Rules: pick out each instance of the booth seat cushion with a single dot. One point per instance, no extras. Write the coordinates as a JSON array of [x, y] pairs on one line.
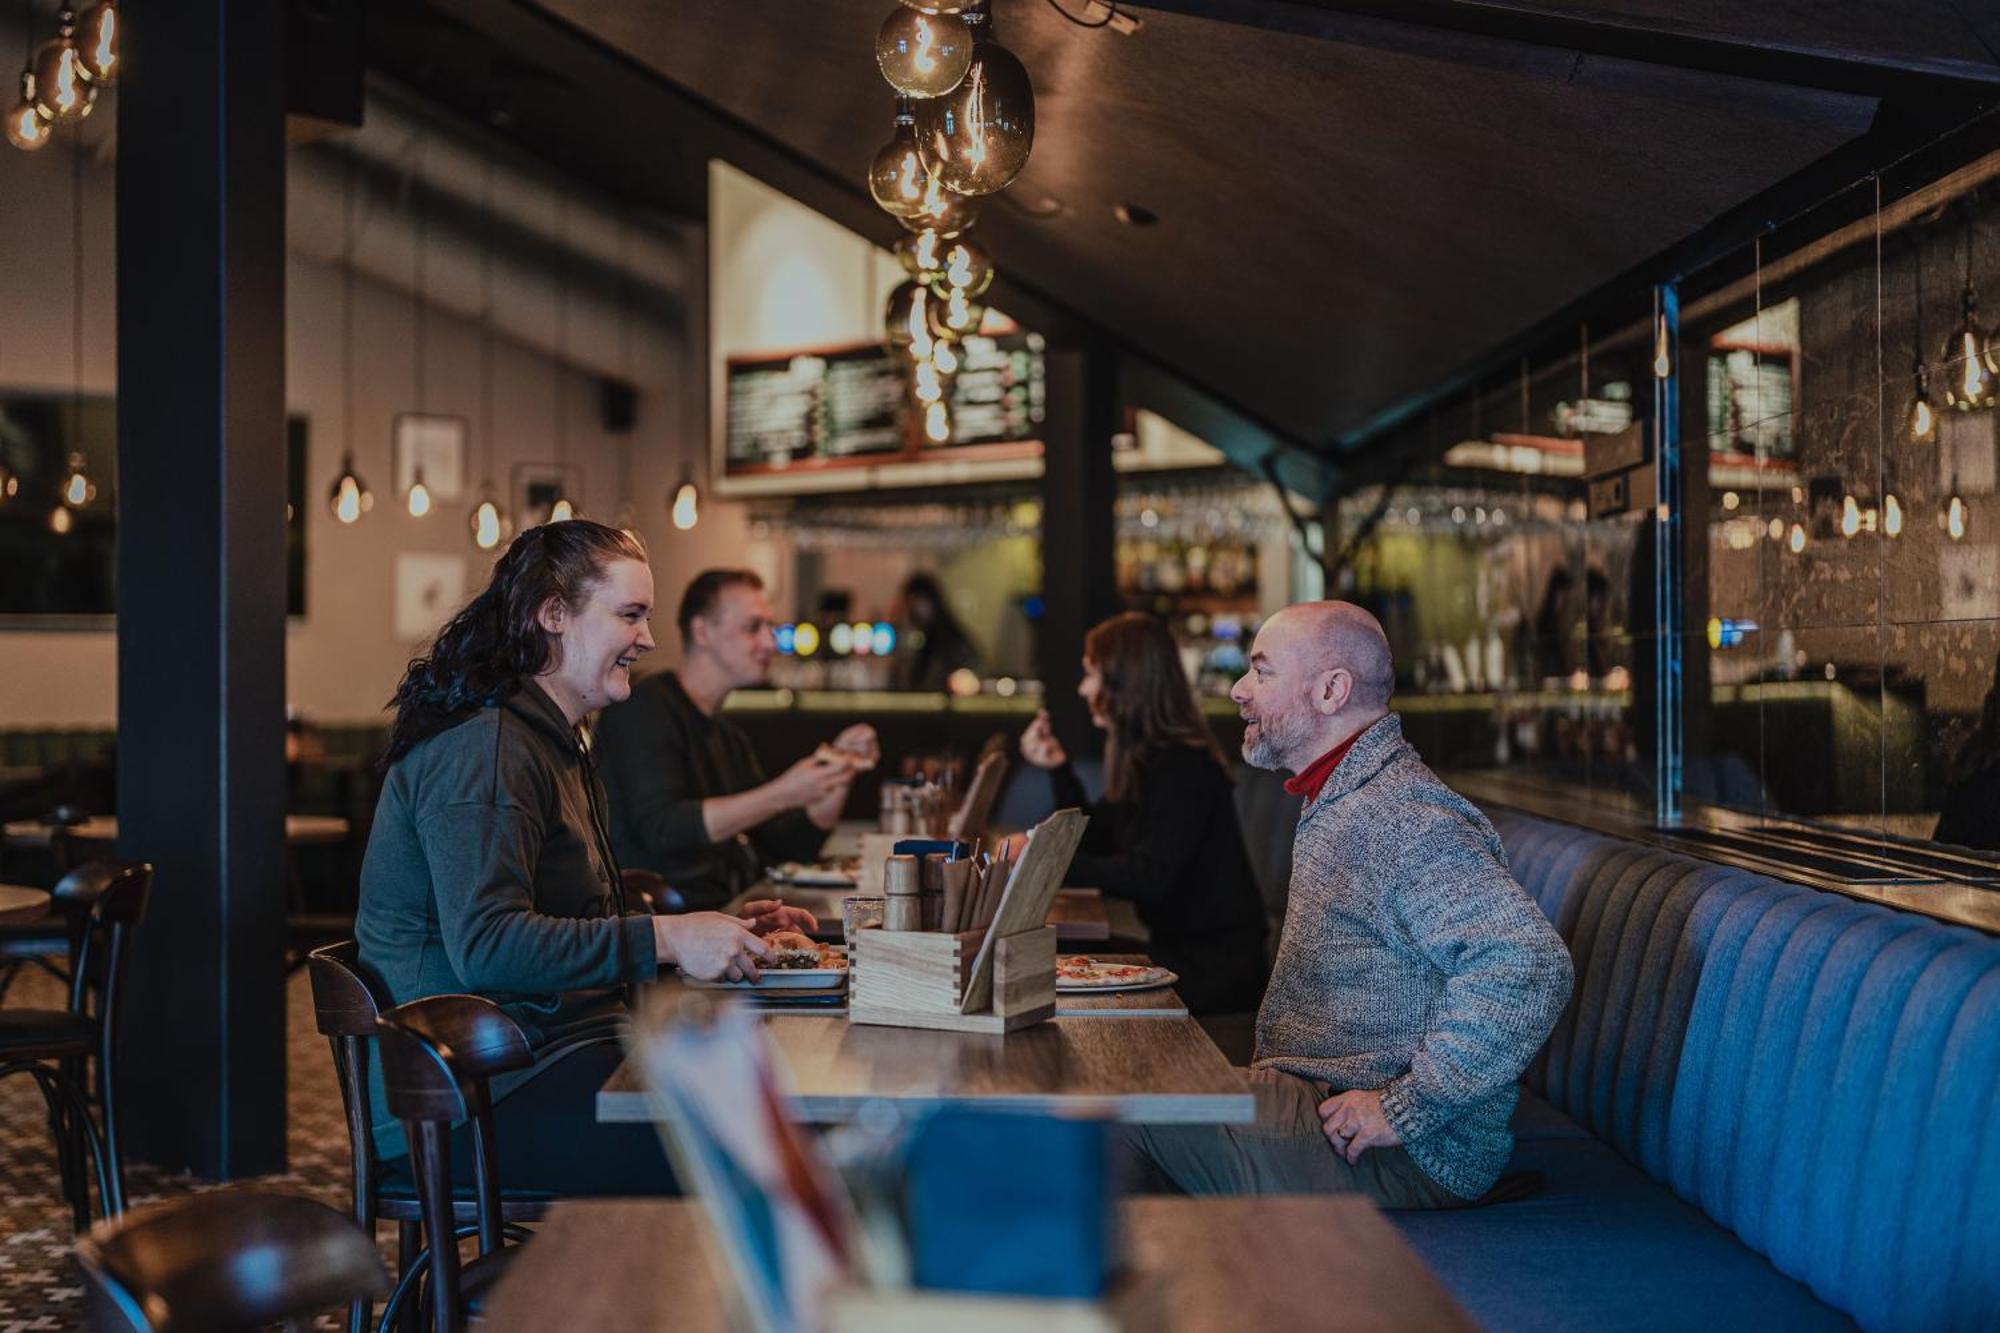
[[1603, 1249]]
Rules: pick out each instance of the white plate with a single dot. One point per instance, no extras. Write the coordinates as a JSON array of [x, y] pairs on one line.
[[811, 877], [795, 978], [1166, 977]]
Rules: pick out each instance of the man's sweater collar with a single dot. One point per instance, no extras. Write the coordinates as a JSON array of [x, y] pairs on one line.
[[1371, 750]]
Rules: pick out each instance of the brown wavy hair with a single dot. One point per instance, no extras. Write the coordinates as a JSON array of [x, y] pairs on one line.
[[1148, 702], [485, 652]]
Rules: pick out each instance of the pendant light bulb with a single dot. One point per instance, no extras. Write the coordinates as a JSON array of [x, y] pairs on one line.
[[945, 357], [562, 511], [945, 212], [923, 55], [1798, 539], [1850, 516], [1954, 514], [922, 255], [489, 521], [967, 268], [897, 177], [1892, 515], [420, 496], [63, 90], [1923, 417], [97, 42], [687, 505], [349, 497], [928, 383], [907, 320], [944, 6], [954, 314], [1663, 361], [1970, 384], [9, 483], [937, 423], [977, 136], [59, 520], [27, 129]]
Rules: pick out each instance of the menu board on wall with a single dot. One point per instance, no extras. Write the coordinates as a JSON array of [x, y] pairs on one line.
[[849, 408]]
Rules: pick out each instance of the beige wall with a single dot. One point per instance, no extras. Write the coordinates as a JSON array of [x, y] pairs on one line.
[[343, 656]]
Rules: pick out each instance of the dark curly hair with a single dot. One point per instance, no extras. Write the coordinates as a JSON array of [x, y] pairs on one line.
[[484, 653]]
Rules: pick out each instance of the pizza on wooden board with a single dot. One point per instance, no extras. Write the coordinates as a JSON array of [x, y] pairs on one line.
[[1081, 972]]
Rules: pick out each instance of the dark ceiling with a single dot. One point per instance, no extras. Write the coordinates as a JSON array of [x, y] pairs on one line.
[[1351, 207]]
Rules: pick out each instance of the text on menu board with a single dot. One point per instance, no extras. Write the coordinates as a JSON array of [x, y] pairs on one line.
[[851, 405]]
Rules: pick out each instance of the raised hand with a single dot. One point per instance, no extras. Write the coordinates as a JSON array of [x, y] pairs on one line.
[[1039, 745]]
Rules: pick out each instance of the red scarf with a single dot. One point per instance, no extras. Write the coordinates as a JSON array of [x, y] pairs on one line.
[[1309, 783]]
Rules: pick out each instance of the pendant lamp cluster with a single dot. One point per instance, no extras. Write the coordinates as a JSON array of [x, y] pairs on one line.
[[60, 79], [1971, 375], [964, 126]]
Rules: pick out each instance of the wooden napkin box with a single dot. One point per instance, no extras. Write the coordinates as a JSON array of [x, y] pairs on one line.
[[918, 979]]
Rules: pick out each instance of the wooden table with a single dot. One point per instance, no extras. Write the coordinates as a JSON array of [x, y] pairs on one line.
[[619, 1266], [1155, 1071], [20, 904], [300, 831], [1079, 915]]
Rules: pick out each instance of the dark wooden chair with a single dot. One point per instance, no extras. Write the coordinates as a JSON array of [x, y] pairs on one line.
[[56, 1046], [346, 1007], [439, 1056], [225, 1262]]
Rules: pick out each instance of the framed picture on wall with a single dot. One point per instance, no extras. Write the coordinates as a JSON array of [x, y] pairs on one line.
[[433, 446], [538, 488]]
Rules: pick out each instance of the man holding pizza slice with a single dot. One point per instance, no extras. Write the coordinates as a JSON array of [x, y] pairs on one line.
[[1415, 979]]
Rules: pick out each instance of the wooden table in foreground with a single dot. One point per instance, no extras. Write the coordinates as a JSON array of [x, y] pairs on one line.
[[1143, 1070], [615, 1266], [20, 904]]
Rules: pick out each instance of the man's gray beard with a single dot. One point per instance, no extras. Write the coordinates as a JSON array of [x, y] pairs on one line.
[[1269, 750]]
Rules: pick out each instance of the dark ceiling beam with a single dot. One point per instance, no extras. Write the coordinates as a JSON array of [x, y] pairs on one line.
[[1410, 26]]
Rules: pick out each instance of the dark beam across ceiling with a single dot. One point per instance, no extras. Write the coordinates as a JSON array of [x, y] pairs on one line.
[[1418, 27]]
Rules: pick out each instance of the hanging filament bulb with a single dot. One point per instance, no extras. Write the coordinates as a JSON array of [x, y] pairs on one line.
[[63, 90], [944, 6], [1954, 514], [489, 521], [420, 495], [923, 55], [967, 268], [78, 490], [562, 511], [1798, 539], [937, 423], [1892, 515], [897, 178], [1923, 417], [955, 314], [1970, 383], [97, 42], [9, 483], [945, 357], [687, 505], [978, 134], [943, 212], [59, 520], [922, 255], [1663, 361], [907, 319], [349, 497], [927, 382], [27, 128], [1850, 516]]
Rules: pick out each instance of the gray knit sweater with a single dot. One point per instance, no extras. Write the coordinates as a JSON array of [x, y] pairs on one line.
[[1412, 962]]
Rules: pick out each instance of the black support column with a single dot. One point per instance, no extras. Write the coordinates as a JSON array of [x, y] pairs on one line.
[[201, 578], [1079, 492]]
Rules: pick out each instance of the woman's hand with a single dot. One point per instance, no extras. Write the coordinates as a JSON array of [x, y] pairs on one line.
[[768, 914], [1039, 745], [709, 946]]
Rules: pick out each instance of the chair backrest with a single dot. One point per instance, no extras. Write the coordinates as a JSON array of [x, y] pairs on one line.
[[345, 1010], [105, 900], [226, 1261]]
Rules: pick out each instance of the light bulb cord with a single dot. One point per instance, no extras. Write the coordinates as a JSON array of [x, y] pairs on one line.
[[1110, 13]]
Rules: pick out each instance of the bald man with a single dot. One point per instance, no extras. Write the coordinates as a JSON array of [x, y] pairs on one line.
[[1415, 979]]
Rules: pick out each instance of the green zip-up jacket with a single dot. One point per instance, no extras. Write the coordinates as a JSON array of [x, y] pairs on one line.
[[489, 873]]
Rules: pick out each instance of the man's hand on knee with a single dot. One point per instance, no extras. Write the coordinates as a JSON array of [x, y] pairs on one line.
[[1353, 1122]]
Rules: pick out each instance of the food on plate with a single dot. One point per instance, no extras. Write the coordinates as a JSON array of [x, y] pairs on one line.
[[794, 952], [1080, 970], [833, 754]]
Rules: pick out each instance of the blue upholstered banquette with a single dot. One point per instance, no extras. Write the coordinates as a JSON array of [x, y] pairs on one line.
[[1766, 1107]]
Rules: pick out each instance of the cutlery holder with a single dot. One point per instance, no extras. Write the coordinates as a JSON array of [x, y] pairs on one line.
[[918, 979]]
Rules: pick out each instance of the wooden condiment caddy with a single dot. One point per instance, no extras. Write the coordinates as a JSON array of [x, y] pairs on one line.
[[995, 979]]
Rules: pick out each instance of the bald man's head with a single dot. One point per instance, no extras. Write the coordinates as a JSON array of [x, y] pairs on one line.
[[1319, 673]]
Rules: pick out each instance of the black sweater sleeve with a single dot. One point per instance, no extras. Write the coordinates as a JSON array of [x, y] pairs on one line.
[[1159, 832]]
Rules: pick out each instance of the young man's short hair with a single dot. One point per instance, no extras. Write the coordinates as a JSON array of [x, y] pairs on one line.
[[706, 590]]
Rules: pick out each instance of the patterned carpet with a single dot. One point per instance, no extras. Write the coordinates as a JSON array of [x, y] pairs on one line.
[[40, 1287]]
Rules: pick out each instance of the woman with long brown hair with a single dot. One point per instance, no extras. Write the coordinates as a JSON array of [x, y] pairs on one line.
[[490, 869], [1165, 834]]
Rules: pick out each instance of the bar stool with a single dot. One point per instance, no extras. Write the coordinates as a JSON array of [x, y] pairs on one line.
[[55, 1046], [438, 1057], [345, 1010], [224, 1262]]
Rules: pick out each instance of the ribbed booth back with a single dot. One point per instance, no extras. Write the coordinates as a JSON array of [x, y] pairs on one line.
[[1817, 1074]]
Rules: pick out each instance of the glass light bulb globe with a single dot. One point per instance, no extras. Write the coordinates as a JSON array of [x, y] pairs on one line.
[[562, 511], [1923, 418], [1850, 516], [922, 255], [27, 128], [977, 137], [928, 384], [945, 212], [944, 356], [1954, 518], [97, 42], [1968, 381], [937, 423], [906, 320], [59, 520], [63, 90], [346, 499], [687, 506], [954, 314], [943, 6], [9, 483], [419, 499], [897, 178], [967, 268], [489, 525], [923, 55], [1892, 515]]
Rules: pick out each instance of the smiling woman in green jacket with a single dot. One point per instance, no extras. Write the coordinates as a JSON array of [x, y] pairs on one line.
[[489, 870]]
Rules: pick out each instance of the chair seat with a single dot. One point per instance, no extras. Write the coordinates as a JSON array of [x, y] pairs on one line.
[[396, 1200], [45, 1034], [478, 1279]]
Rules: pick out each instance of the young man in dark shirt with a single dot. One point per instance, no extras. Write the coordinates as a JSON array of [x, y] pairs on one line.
[[689, 800]]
